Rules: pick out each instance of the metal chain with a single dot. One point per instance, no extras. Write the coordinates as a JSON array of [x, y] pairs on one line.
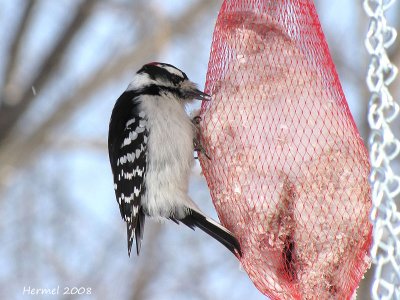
[[384, 148]]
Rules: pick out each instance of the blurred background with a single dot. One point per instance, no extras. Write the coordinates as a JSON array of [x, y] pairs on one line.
[[62, 66]]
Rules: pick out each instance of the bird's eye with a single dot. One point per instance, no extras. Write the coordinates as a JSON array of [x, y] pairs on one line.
[[175, 79]]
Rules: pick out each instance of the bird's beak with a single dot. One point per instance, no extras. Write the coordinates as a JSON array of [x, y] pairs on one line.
[[199, 95]]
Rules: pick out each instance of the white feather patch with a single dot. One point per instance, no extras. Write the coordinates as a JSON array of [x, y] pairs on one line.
[[173, 70], [170, 153], [130, 122]]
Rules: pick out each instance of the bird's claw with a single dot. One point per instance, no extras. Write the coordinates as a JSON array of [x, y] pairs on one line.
[[196, 120], [198, 147]]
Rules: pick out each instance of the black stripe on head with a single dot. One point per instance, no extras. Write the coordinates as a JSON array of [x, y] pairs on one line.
[[163, 72], [156, 90]]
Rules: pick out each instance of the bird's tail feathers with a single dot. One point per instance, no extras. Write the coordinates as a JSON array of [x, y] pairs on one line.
[[135, 229], [195, 219]]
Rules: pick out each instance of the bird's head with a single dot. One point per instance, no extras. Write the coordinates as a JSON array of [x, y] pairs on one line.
[[158, 78]]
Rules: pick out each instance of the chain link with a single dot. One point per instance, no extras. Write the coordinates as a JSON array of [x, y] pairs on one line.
[[384, 148]]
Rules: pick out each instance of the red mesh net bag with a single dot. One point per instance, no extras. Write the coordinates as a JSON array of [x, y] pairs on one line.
[[288, 172]]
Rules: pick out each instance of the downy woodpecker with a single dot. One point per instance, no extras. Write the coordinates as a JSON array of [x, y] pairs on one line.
[[150, 145]]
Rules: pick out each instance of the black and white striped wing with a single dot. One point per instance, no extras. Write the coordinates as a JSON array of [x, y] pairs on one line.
[[127, 142]]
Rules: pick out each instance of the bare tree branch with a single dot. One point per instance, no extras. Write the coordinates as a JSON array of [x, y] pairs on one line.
[[9, 114], [70, 144], [11, 62]]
